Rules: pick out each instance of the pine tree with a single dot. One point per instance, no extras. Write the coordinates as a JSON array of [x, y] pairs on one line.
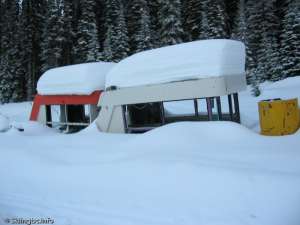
[[239, 24], [153, 11], [116, 45], [291, 40], [252, 38], [217, 19], [52, 37], [268, 53], [232, 8], [87, 45], [32, 24], [100, 16], [193, 21], [139, 26], [68, 32], [11, 80], [1, 24], [170, 19]]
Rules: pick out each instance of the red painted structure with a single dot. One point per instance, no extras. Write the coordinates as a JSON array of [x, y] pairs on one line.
[[62, 100]]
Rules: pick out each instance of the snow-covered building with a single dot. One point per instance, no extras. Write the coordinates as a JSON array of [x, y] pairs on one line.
[[67, 96], [140, 88]]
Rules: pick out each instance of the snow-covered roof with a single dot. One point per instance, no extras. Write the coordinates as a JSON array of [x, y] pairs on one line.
[[75, 79], [193, 60]]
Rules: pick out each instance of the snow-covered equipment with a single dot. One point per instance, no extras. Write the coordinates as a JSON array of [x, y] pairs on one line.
[[139, 87], [67, 96], [279, 117]]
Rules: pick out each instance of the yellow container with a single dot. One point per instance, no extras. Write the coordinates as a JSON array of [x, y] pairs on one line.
[[279, 117]]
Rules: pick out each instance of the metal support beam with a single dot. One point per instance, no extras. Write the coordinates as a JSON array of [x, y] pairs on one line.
[[219, 107], [162, 113], [196, 107], [48, 115], [209, 109], [125, 122], [230, 107], [236, 107]]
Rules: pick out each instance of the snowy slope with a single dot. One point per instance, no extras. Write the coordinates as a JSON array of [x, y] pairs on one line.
[[210, 173]]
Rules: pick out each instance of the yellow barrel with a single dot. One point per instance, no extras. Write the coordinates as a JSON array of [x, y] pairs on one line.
[[279, 117]]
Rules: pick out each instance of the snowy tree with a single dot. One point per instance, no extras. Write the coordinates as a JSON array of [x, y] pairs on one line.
[[232, 8], [68, 32], [291, 40], [116, 45], [11, 80], [252, 38], [1, 23], [193, 21], [52, 44], [239, 26], [139, 26], [268, 53], [153, 11], [87, 46], [217, 19], [170, 19], [100, 16], [32, 24], [49, 33]]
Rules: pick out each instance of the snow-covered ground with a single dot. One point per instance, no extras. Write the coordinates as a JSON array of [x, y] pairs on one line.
[[210, 173]]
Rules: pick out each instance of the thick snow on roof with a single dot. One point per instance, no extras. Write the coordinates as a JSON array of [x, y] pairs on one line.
[[193, 60], [75, 79]]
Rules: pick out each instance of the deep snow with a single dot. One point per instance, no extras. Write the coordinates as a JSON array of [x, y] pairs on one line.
[[186, 61], [210, 173], [75, 79]]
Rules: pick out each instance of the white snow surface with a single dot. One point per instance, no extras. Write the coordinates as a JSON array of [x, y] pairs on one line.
[[4, 123], [75, 79], [189, 173], [187, 61]]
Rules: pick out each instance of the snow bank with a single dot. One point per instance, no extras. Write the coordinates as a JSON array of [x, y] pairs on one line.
[[74, 79], [194, 60], [16, 112], [210, 173], [4, 123]]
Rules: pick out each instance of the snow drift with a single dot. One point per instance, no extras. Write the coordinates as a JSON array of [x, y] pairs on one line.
[[75, 79], [4, 123], [194, 60], [189, 173]]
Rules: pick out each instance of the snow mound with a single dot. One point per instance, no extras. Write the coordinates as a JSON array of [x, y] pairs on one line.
[[193, 60], [4, 123], [31, 128], [75, 79], [191, 134]]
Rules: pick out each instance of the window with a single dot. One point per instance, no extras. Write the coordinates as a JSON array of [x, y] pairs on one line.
[[70, 118], [139, 118]]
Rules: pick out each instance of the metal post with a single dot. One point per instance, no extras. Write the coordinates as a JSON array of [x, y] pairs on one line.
[[209, 109], [219, 107], [48, 115], [90, 113], [162, 113], [230, 107], [125, 122], [196, 107], [236, 107], [66, 116]]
